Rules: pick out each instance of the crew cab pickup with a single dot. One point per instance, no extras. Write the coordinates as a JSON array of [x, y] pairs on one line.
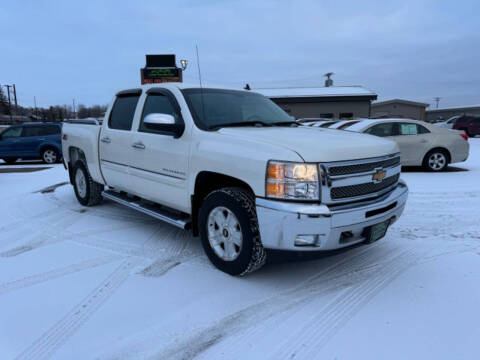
[[237, 170]]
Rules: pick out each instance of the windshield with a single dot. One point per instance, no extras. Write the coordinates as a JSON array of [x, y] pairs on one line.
[[233, 108]]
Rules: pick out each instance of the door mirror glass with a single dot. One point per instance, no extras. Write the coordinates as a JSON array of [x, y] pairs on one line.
[[158, 119]]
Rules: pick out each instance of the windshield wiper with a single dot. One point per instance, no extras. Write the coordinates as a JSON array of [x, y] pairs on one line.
[[284, 123], [238, 124]]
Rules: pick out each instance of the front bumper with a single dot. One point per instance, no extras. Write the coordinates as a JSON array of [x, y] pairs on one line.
[[334, 227]]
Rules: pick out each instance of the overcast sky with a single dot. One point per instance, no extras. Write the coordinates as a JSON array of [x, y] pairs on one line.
[[87, 50]]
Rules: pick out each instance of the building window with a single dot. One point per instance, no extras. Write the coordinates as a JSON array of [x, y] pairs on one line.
[[327, 115], [346, 116]]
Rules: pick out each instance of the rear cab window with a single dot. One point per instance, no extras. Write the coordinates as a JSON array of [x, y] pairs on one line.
[[123, 110]]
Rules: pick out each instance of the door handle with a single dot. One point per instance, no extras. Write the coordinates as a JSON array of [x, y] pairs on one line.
[[138, 145], [423, 141], [106, 140]]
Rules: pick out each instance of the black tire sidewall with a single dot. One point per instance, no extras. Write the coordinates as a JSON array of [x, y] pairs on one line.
[[79, 166], [430, 153], [240, 264]]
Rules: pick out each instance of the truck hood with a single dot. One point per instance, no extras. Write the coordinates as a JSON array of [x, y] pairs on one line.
[[317, 144]]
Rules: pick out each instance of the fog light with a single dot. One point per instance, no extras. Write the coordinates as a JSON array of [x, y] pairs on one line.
[[306, 240]]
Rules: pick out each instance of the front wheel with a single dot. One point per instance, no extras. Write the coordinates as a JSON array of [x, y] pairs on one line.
[[435, 160], [87, 191], [229, 231]]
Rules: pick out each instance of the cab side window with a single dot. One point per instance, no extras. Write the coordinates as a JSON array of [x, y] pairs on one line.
[[13, 132], [121, 116], [160, 104], [385, 129]]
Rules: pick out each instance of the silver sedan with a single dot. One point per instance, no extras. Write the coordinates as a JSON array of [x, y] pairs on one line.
[[421, 143]]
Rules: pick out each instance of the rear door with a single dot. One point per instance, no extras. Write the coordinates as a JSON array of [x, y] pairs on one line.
[[414, 141], [159, 162], [116, 139]]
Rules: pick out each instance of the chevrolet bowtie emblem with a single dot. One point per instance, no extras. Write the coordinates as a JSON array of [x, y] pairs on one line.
[[379, 176]]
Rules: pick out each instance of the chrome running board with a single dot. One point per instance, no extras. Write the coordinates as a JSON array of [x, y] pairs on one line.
[[155, 210]]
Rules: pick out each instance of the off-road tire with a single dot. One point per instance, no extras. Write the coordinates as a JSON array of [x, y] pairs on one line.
[[10, 161], [93, 193], [426, 165], [241, 202]]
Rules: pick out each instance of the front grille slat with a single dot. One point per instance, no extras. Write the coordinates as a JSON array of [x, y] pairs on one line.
[[362, 167], [352, 191]]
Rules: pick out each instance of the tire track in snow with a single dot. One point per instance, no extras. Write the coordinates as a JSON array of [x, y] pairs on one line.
[[249, 317], [342, 274], [55, 273], [46, 345], [306, 342]]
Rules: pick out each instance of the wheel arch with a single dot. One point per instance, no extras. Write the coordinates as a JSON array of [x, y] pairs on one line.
[[205, 183], [447, 152]]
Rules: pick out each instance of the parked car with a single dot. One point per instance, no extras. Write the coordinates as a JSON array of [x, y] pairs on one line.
[[342, 124], [31, 141], [469, 124], [234, 168], [420, 143], [448, 124]]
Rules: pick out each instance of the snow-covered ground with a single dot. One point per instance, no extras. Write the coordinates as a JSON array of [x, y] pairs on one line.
[[109, 283]]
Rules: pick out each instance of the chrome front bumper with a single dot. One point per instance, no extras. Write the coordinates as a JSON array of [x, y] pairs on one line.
[[334, 226]]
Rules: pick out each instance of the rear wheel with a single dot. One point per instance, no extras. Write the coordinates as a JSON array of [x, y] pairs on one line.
[[50, 156], [87, 191], [229, 231], [10, 161], [435, 160]]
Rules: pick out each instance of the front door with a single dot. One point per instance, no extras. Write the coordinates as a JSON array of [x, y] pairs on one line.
[[32, 138], [159, 162], [116, 139], [10, 142]]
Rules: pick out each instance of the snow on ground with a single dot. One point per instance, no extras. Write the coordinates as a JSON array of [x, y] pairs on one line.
[[109, 283]]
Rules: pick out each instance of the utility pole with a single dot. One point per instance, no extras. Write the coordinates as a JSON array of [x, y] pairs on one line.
[[35, 102], [9, 102], [74, 111], [15, 96], [437, 100]]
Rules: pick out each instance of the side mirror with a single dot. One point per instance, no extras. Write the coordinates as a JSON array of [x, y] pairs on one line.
[[163, 124], [159, 119]]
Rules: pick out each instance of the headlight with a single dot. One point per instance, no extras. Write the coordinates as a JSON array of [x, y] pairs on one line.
[[293, 181]]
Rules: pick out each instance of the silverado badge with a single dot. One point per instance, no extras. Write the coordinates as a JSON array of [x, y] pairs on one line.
[[378, 176]]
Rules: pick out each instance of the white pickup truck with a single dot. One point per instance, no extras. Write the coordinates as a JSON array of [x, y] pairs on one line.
[[238, 171]]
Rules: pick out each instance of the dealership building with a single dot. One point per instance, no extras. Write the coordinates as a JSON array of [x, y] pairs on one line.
[[398, 108], [333, 102], [446, 113]]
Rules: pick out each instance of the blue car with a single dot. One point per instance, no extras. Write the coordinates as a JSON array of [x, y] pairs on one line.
[[31, 141]]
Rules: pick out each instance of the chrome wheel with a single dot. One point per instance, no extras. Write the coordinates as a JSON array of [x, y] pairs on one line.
[[50, 156], [437, 161], [81, 183], [224, 233]]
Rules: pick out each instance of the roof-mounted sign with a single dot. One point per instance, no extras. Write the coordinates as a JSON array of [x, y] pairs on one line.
[[159, 69]]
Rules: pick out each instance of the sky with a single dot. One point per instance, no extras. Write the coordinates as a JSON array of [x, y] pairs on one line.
[[87, 50]]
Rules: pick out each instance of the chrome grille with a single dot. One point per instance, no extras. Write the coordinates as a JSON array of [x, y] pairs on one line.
[[356, 180], [350, 191], [359, 168]]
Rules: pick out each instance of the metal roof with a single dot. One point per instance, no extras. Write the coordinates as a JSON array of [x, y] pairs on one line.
[[312, 92]]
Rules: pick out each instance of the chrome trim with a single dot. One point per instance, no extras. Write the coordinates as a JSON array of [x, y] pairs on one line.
[[332, 181], [281, 222]]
